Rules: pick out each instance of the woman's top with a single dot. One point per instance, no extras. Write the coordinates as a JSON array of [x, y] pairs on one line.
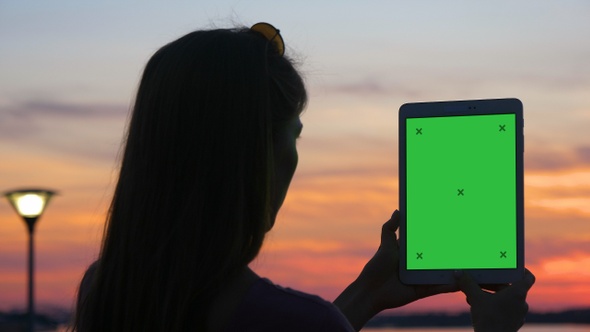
[[269, 307]]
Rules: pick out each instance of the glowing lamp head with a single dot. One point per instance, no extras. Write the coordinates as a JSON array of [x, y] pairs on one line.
[[29, 204]]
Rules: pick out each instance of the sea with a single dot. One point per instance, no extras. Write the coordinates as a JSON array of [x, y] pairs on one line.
[[525, 328]]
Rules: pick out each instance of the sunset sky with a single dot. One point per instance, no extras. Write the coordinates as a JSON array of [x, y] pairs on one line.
[[69, 69]]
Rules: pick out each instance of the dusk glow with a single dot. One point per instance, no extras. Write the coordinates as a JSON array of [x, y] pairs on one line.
[[69, 71]]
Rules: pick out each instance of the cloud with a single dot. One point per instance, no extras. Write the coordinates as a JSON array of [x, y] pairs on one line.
[[370, 87], [21, 114], [33, 108], [572, 265], [554, 158], [563, 190], [583, 153], [90, 130], [32, 117], [352, 155], [539, 250]]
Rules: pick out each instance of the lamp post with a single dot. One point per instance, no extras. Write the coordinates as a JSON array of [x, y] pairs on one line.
[[29, 204]]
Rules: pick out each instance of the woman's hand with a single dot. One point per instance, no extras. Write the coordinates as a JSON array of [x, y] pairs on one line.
[[382, 271], [503, 310], [378, 287]]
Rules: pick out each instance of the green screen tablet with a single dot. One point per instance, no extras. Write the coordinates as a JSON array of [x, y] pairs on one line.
[[461, 191]]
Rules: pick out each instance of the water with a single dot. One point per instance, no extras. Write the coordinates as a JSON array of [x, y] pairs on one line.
[[526, 328]]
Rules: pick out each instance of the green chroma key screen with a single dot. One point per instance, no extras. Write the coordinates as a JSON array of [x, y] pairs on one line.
[[461, 192]]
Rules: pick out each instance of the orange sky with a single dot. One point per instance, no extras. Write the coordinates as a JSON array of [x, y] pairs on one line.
[[328, 228], [64, 98]]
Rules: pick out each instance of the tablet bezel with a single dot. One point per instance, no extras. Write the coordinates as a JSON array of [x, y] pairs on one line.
[[461, 108]]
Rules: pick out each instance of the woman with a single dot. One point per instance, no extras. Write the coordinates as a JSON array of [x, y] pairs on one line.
[[209, 156]]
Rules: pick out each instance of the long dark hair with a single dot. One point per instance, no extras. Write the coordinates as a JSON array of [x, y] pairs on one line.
[[194, 195]]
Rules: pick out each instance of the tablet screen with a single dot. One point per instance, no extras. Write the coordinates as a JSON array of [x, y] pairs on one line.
[[461, 192]]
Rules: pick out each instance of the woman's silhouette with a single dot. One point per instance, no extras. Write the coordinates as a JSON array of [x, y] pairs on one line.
[[209, 156]]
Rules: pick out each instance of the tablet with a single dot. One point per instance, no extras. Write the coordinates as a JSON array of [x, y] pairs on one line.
[[461, 191]]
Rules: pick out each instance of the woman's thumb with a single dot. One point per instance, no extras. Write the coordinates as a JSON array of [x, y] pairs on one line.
[[467, 285], [388, 236]]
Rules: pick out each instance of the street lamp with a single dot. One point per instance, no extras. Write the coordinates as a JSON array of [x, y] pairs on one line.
[[29, 204]]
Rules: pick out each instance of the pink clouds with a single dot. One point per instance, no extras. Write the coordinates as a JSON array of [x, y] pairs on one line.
[[328, 229]]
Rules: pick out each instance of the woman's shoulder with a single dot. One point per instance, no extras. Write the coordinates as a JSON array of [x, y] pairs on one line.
[[270, 307], [272, 293], [84, 287]]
